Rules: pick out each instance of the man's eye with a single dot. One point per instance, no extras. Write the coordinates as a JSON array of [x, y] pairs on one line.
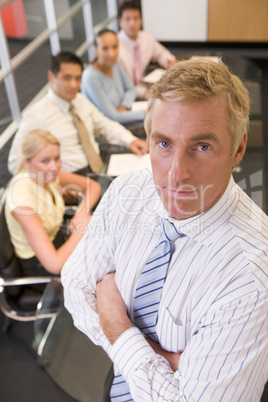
[[164, 144], [204, 147]]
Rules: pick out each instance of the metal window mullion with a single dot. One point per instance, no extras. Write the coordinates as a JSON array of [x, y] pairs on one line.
[[9, 79], [112, 14], [42, 37], [52, 25], [39, 40], [88, 23], [70, 13]]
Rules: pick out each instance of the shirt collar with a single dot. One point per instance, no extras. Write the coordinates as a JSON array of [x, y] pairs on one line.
[[202, 227], [62, 103], [128, 39]]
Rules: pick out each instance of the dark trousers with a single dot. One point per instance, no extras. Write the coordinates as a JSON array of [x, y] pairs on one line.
[[33, 267]]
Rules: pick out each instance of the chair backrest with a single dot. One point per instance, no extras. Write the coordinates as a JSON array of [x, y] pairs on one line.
[[9, 263], [17, 302]]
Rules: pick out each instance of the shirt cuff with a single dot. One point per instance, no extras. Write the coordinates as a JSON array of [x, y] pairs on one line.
[[130, 351], [105, 344]]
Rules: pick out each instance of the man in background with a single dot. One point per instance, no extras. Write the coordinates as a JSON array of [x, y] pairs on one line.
[[137, 48], [73, 120]]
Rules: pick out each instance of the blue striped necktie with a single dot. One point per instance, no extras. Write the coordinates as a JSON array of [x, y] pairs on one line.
[[147, 298]]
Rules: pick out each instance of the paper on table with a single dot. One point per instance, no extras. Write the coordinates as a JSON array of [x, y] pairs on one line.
[[124, 163], [154, 76], [139, 105]]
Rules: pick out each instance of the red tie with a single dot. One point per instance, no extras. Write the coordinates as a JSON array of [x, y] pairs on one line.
[[138, 73]]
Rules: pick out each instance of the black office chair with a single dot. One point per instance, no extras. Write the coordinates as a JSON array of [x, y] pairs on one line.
[[18, 301]]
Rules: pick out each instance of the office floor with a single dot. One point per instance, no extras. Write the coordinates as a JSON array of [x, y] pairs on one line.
[[22, 379]]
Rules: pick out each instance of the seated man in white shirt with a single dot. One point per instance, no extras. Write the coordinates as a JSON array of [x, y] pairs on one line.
[[52, 113], [132, 39], [171, 277]]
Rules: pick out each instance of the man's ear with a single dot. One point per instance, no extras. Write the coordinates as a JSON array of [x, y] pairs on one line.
[[50, 75], [241, 150]]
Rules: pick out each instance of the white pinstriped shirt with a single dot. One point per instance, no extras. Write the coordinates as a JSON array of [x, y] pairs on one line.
[[214, 304]]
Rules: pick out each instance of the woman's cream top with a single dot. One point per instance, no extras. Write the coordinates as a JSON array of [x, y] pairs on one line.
[[48, 203]]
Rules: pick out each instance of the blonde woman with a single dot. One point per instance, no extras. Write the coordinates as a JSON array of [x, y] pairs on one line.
[[35, 207]]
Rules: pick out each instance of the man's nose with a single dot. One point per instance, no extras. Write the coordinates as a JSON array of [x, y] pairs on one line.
[[180, 167], [74, 83]]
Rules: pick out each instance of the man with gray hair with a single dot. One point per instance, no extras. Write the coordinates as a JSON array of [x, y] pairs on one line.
[[171, 278]]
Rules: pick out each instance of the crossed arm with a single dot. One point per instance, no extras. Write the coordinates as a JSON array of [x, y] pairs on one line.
[[230, 344], [114, 319]]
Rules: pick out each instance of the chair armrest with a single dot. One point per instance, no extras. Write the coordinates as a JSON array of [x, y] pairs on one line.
[[18, 314], [30, 280]]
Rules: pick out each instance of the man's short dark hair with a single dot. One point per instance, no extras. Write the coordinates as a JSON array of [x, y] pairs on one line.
[[128, 5], [64, 57]]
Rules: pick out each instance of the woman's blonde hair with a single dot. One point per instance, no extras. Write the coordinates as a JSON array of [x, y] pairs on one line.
[[33, 142], [200, 79]]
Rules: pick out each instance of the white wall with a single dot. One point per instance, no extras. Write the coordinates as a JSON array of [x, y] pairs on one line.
[[176, 20]]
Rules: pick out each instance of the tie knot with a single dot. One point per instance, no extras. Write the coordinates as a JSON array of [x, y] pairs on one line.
[[170, 230]]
